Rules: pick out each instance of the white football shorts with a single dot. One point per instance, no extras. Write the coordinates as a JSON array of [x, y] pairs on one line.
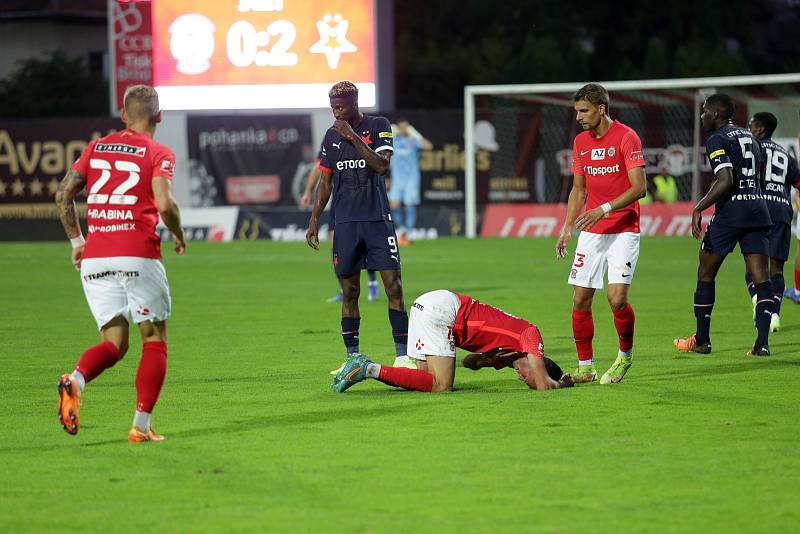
[[430, 325], [598, 253], [126, 285]]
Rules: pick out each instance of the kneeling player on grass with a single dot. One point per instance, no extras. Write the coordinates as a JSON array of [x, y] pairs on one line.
[[439, 322]]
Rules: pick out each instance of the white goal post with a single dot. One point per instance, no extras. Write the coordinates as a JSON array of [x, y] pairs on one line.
[[693, 91]]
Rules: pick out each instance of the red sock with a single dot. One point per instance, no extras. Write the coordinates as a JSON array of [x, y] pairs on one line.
[[402, 377], [623, 320], [796, 280], [583, 332], [97, 359], [150, 375]]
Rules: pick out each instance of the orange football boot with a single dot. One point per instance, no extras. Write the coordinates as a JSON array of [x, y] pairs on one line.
[[137, 436], [69, 404], [690, 345]]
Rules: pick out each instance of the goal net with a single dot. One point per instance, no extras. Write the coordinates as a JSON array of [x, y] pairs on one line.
[[518, 138]]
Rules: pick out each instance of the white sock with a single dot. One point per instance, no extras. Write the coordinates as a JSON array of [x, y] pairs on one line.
[[373, 282], [584, 363], [373, 370], [141, 420], [626, 354], [79, 379]]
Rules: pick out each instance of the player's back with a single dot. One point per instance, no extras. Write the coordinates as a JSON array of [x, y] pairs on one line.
[[744, 206], [480, 328], [121, 210], [780, 175]]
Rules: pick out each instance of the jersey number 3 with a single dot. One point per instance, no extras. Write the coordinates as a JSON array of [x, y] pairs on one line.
[[118, 195]]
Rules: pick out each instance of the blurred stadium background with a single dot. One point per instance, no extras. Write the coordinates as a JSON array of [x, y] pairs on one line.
[[247, 121]]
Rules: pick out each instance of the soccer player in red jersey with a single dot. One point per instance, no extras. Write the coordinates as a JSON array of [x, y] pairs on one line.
[[128, 177], [608, 168], [442, 320]]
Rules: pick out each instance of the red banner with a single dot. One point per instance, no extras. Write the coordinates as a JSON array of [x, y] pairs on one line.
[[545, 220], [132, 47]]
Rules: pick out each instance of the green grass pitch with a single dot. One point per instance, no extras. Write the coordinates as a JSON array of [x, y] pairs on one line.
[[257, 442]]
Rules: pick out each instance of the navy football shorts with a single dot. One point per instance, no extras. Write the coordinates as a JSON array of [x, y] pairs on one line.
[[365, 245], [780, 241], [721, 239]]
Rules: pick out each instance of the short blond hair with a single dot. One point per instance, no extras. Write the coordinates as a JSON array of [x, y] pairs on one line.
[[141, 102], [343, 89]]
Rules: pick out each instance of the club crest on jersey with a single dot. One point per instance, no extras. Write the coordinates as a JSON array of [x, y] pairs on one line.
[[598, 153], [611, 151], [121, 148]]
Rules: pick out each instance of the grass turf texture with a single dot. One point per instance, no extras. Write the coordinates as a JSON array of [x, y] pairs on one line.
[[256, 440]]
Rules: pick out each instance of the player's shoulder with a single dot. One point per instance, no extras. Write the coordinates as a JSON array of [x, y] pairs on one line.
[[583, 137], [376, 121]]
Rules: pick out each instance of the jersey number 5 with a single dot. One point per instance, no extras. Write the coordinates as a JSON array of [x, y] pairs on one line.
[[118, 195], [746, 144]]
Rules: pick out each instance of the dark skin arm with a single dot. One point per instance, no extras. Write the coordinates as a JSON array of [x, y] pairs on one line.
[[378, 162], [323, 194], [72, 184], [722, 185]]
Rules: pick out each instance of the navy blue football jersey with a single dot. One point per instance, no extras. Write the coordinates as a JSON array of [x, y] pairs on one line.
[[780, 175], [359, 193], [744, 206]]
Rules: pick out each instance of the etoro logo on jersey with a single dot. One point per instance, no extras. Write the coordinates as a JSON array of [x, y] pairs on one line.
[[351, 164]]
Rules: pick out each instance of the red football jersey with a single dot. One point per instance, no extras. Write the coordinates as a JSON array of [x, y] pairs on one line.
[[481, 328], [605, 162], [120, 208]]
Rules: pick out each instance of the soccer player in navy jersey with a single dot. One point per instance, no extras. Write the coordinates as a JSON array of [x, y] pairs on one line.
[[354, 158], [780, 175], [741, 216]]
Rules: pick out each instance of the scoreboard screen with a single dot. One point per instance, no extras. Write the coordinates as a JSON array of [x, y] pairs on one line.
[[261, 54]]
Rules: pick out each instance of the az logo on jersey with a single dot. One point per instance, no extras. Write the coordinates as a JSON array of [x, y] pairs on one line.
[[598, 153]]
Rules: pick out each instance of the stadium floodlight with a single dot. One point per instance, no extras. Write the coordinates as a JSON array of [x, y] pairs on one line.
[[528, 130]]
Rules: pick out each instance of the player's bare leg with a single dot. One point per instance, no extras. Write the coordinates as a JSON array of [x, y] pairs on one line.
[[583, 333], [149, 379], [398, 317], [758, 267], [443, 369], [624, 320], [704, 295], [92, 363]]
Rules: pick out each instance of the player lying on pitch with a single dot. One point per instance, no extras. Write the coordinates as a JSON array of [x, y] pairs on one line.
[[442, 320]]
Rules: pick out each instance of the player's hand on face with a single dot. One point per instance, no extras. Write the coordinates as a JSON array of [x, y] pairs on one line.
[[312, 237], [561, 244], [77, 254], [589, 218], [697, 224], [344, 129]]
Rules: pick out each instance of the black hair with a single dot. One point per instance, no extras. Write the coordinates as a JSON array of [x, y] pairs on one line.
[[723, 104], [767, 120]]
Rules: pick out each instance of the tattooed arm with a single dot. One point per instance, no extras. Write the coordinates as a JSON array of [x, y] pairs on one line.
[[72, 184]]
